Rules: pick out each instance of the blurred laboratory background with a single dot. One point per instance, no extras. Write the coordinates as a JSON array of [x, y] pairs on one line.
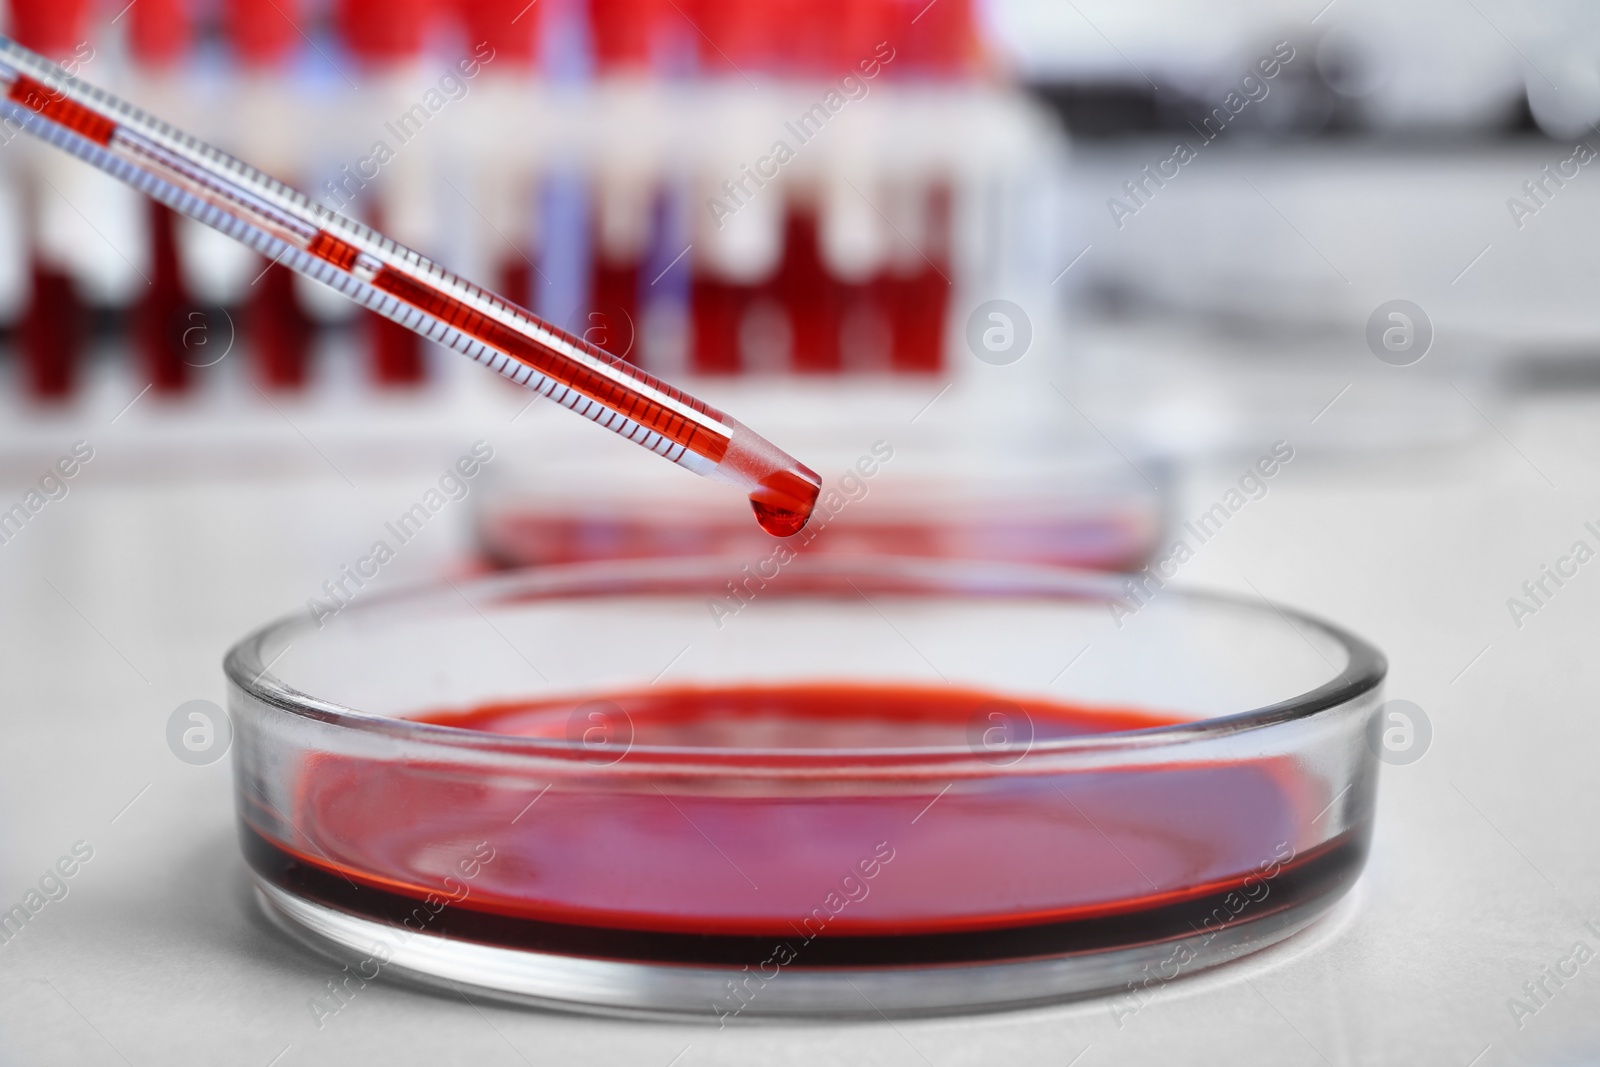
[[806, 211], [1077, 264]]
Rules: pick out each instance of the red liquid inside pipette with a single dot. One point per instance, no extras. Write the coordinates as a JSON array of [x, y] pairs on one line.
[[605, 864]]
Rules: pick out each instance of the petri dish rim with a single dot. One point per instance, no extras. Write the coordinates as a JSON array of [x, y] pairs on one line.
[[1364, 671]]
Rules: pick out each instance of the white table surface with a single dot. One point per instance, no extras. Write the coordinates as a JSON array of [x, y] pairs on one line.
[[118, 603]]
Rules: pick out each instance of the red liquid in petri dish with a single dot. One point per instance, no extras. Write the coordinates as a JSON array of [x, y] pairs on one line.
[[612, 864]]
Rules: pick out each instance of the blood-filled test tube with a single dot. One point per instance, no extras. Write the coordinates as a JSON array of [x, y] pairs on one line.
[[863, 37], [159, 316], [941, 46], [52, 326], [52, 332], [811, 295], [387, 37], [738, 36], [942, 41], [384, 33], [629, 39], [160, 34], [262, 33], [53, 28], [510, 27], [825, 283], [627, 34], [916, 286], [612, 319], [856, 29], [855, 246], [501, 177], [278, 332], [732, 307], [717, 307]]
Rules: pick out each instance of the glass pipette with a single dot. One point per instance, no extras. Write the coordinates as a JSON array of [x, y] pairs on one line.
[[289, 228]]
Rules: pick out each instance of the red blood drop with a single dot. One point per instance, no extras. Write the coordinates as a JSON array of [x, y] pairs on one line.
[[784, 502]]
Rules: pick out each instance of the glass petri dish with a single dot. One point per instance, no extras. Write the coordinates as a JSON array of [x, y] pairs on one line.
[[862, 786]]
